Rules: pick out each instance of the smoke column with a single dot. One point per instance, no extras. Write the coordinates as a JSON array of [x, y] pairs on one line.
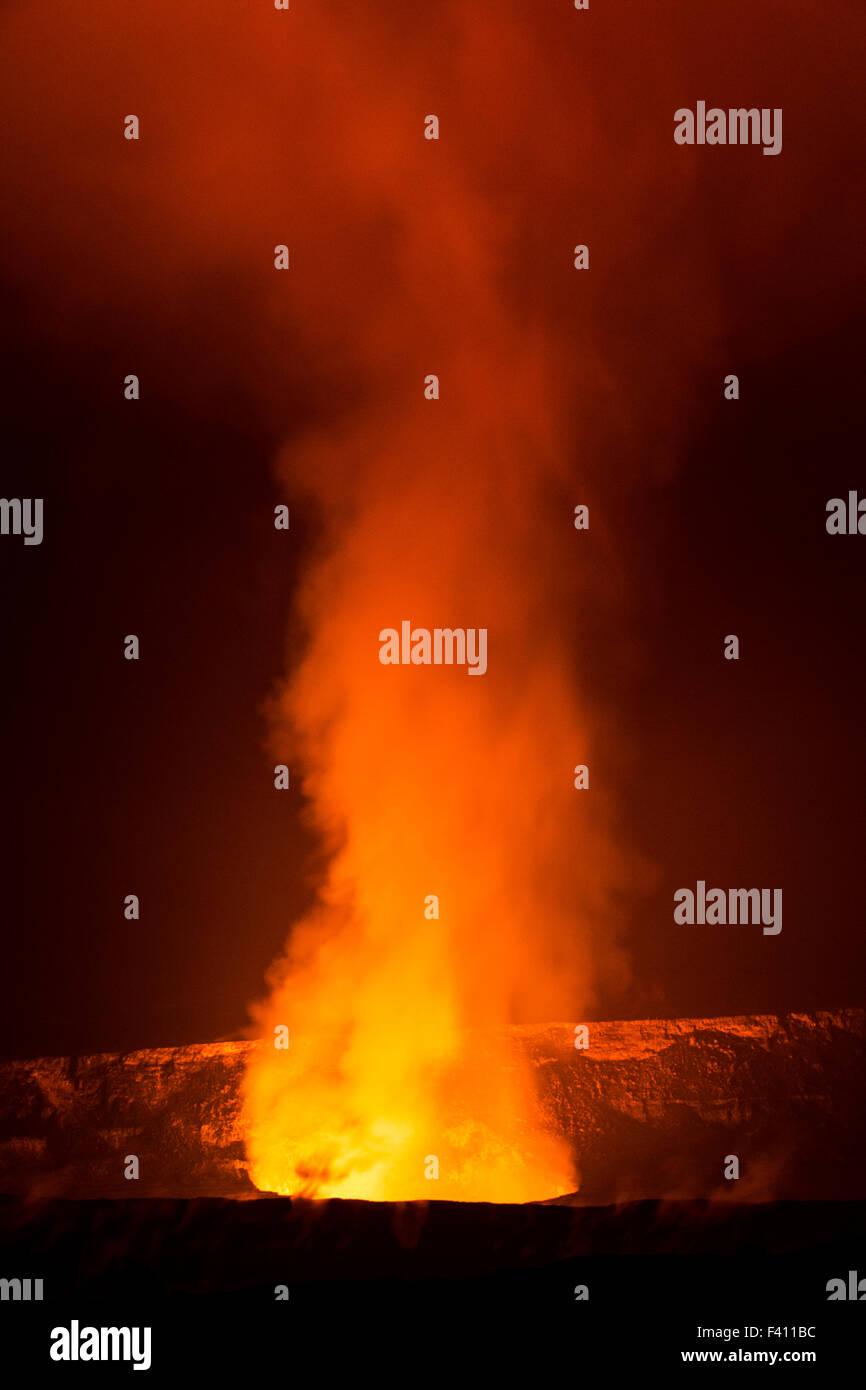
[[424, 780], [452, 513]]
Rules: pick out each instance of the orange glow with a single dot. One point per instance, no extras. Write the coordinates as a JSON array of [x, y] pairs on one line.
[[372, 1126], [423, 780], [558, 387]]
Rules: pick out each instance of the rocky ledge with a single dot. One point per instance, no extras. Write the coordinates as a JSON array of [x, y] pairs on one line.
[[652, 1108]]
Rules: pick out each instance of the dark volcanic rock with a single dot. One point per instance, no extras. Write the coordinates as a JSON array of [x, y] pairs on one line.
[[205, 1245], [652, 1109], [66, 1124]]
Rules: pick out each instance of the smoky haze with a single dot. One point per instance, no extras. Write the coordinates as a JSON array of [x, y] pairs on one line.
[[558, 387]]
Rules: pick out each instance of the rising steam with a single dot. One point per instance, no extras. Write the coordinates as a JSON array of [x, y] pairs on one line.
[[456, 513]]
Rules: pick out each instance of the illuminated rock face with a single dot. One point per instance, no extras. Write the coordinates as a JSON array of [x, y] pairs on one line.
[[652, 1108], [68, 1124]]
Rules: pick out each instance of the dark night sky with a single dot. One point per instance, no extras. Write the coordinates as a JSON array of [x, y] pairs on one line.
[[154, 777]]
